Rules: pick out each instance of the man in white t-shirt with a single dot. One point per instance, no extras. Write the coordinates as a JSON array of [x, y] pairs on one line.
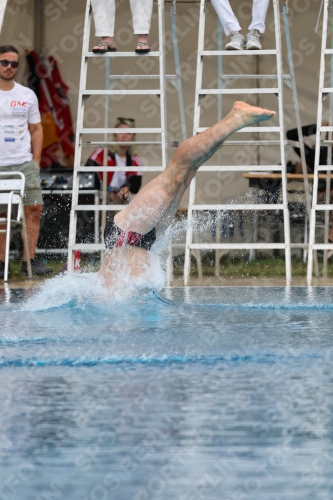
[[21, 140]]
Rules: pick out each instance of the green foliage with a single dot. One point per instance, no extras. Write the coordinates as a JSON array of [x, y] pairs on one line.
[[240, 266]]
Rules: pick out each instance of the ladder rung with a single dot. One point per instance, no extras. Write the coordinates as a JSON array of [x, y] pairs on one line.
[[327, 128], [254, 77], [247, 129], [242, 168], [325, 167], [237, 52], [93, 208], [116, 131], [245, 246], [250, 206], [88, 247], [123, 54], [116, 169], [252, 143], [121, 92], [239, 91], [110, 143], [305, 246], [69, 191], [324, 206], [140, 77], [327, 90], [322, 246], [328, 51]]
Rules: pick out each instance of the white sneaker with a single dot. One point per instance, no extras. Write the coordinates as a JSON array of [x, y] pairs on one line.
[[253, 40], [237, 41]]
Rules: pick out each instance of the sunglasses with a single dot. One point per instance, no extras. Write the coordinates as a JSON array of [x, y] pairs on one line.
[[4, 63], [122, 119]]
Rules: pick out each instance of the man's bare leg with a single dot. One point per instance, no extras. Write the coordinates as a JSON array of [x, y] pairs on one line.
[[33, 215], [154, 200]]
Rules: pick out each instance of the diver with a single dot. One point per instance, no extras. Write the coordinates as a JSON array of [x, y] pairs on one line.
[[132, 232]]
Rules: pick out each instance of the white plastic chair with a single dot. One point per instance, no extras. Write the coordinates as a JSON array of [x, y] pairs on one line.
[[11, 193]]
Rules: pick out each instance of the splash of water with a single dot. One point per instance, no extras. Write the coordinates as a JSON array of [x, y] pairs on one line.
[[79, 289], [86, 289]]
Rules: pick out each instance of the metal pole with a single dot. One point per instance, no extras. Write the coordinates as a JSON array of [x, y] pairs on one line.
[[196, 121], [178, 74], [298, 124], [106, 148], [282, 141], [329, 162], [218, 253]]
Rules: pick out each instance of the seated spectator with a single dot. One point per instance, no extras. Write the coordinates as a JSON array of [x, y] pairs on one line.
[[232, 27], [120, 183], [104, 14]]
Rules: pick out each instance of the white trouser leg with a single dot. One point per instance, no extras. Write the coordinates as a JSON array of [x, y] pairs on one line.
[[227, 17], [141, 12], [104, 14], [259, 11]]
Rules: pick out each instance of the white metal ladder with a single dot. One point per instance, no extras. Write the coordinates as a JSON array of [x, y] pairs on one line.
[[322, 94], [280, 141], [81, 131]]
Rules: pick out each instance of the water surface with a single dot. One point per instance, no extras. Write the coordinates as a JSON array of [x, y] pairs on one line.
[[198, 393]]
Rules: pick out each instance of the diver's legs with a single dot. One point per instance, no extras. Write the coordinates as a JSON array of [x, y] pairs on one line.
[[154, 200]]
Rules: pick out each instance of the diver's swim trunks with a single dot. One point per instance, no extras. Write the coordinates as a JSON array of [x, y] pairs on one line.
[[116, 237]]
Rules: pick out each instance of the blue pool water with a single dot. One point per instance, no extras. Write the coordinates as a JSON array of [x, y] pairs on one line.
[[199, 393]]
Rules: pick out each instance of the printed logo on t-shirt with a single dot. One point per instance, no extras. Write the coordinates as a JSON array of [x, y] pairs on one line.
[[9, 139], [18, 103], [19, 112]]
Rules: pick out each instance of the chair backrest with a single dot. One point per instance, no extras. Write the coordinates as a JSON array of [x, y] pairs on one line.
[[13, 181]]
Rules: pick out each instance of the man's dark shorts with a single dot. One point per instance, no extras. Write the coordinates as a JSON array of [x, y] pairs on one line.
[[32, 192]]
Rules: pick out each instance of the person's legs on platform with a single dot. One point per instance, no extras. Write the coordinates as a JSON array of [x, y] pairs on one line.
[[142, 11], [227, 17], [257, 26], [104, 16], [259, 12], [230, 24]]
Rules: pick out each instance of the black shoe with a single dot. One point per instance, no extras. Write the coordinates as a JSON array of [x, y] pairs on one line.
[[2, 270], [37, 268]]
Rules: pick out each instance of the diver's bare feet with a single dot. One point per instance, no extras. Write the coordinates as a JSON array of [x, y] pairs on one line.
[[248, 115]]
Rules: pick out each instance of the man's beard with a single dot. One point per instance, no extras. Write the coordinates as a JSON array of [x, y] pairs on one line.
[[7, 78]]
